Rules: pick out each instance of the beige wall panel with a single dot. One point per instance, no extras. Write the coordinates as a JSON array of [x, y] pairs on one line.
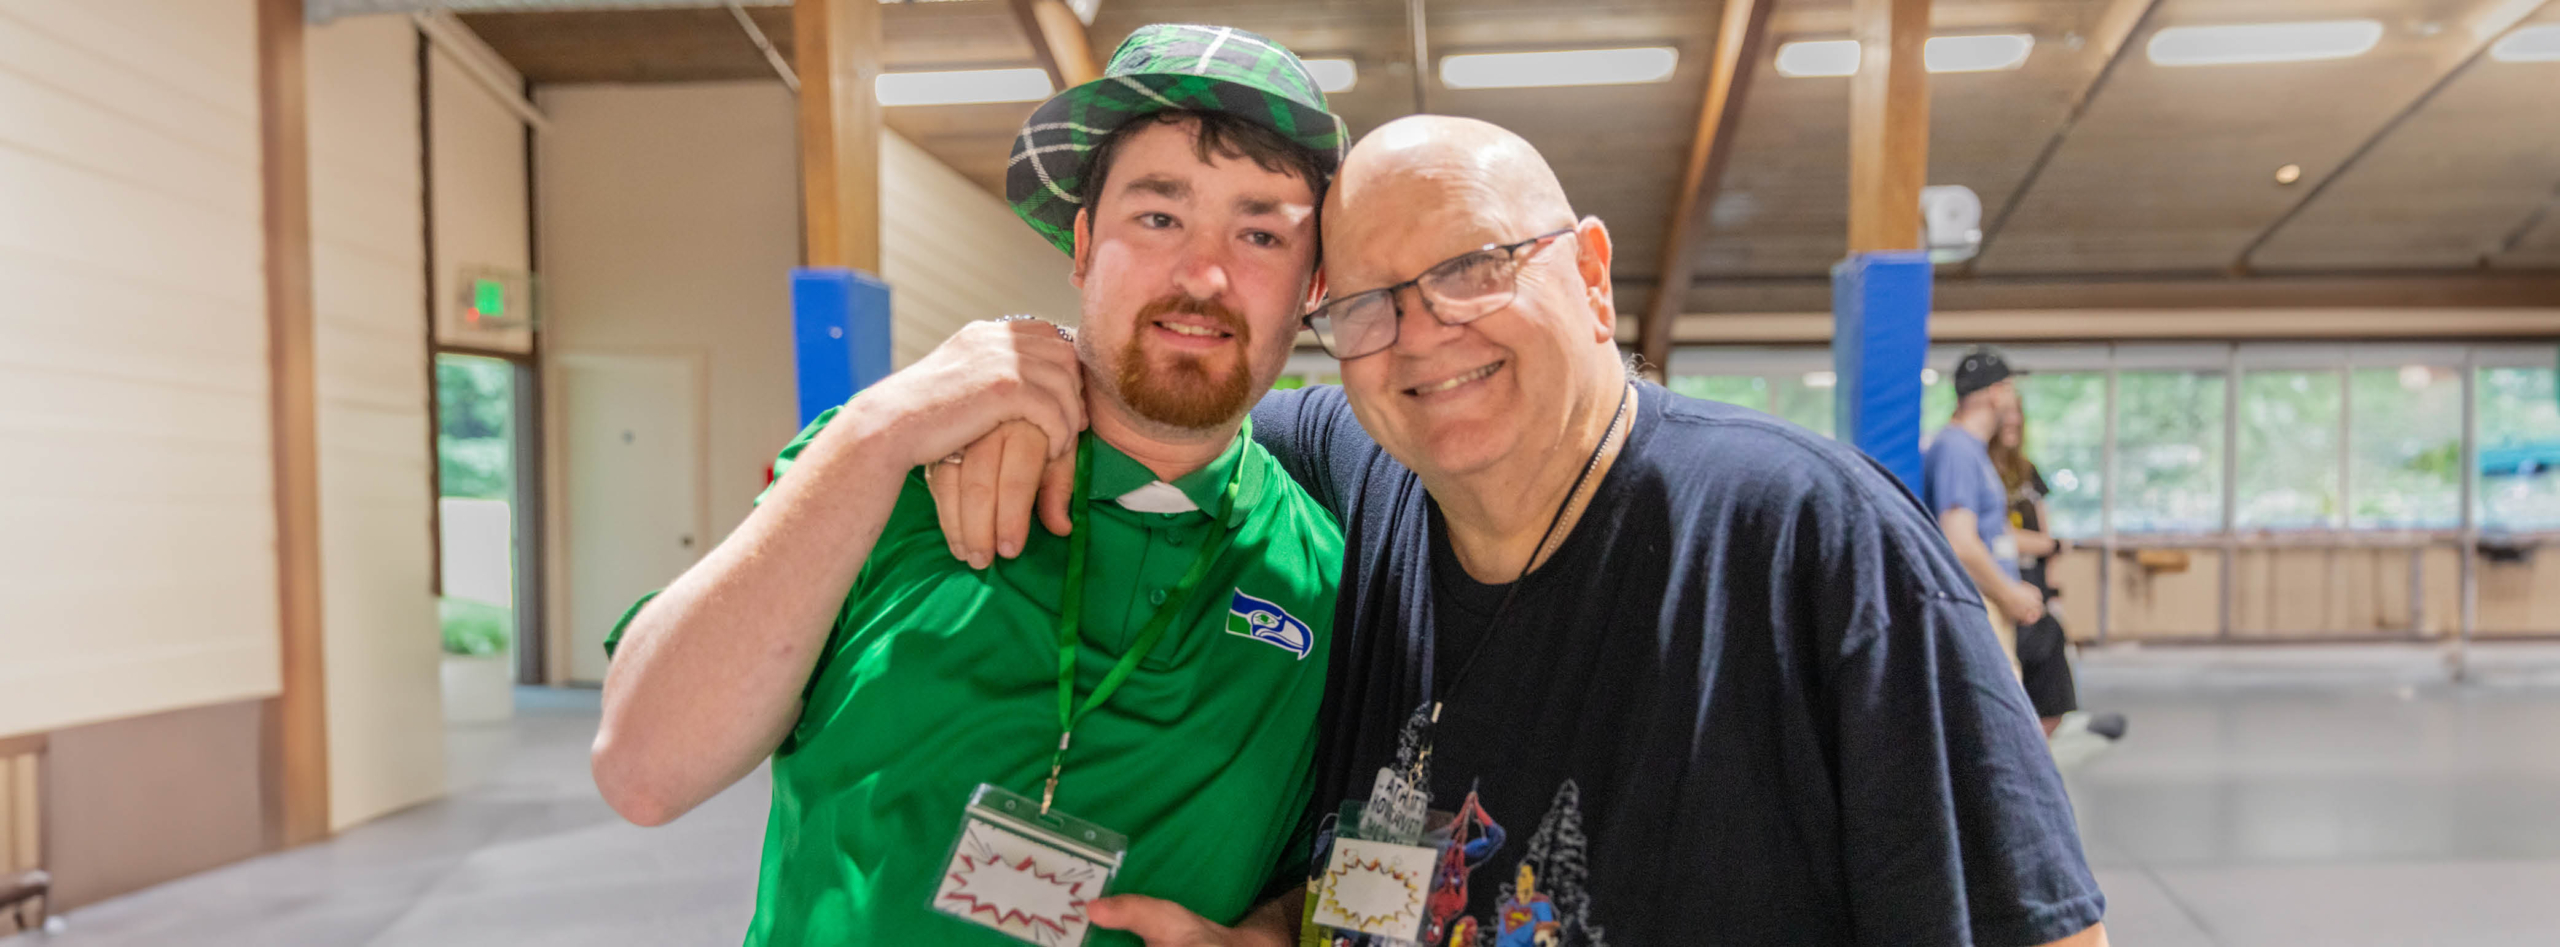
[[2441, 573], [137, 503], [135, 802], [479, 193], [953, 253], [2521, 598], [2168, 604], [385, 709]]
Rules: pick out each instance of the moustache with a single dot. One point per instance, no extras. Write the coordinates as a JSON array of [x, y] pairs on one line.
[[1210, 309]]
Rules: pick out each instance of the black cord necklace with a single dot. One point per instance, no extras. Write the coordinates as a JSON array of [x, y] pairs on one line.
[[1430, 650]]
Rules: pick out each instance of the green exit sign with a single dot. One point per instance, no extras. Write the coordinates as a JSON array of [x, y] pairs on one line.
[[489, 298]]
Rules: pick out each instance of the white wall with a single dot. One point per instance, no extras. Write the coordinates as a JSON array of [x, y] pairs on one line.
[[669, 220], [380, 651], [480, 186], [953, 253], [669, 225], [137, 520]]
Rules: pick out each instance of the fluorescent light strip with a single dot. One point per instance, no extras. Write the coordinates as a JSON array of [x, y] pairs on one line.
[[965, 87], [1334, 75], [2530, 44], [1817, 58], [1564, 67], [1992, 53], [2306, 41], [1840, 57]]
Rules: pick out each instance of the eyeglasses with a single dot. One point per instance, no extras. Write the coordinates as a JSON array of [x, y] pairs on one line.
[[1456, 291]]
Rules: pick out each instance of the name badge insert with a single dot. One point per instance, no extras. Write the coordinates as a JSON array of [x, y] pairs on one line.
[[1022, 866], [1025, 873], [1375, 888]]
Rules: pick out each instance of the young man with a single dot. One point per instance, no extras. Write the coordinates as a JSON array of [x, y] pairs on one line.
[[1155, 675], [1666, 671], [1960, 484]]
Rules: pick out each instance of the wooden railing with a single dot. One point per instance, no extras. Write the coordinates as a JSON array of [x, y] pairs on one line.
[[25, 888]]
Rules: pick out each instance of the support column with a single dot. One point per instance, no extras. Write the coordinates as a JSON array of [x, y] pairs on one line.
[[836, 46], [1880, 294], [295, 721]]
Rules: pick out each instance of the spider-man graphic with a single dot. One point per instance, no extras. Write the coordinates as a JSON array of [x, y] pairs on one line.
[[1473, 837]]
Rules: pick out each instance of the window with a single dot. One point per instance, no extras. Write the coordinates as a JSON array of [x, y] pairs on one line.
[[2169, 451], [2519, 449], [1804, 399], [1749, 391], [2066, 438], [2289, 450], [2404, 447]]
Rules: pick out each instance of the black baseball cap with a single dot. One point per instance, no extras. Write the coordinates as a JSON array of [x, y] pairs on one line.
[[1982, 368]]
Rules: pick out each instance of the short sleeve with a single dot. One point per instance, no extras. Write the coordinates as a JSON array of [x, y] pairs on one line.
[[1946, 790]]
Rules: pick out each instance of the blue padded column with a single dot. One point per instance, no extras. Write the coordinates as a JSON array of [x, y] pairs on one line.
[[840, 334], [1879, 344]]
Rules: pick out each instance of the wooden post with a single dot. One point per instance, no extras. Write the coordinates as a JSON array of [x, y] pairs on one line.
[[296, 721], [836, 46], [1888, 125], [1738, 44], [1058, 40]]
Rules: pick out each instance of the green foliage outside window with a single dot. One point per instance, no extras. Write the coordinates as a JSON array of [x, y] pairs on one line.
[[475, 414]]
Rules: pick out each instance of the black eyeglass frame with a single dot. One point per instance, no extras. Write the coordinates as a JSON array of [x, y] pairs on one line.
[[1511, 254]]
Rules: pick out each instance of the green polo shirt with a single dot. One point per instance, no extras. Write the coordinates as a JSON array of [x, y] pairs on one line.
[[937, 678]]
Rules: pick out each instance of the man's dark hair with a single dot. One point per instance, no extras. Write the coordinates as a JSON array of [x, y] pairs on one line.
[[1219, 133]]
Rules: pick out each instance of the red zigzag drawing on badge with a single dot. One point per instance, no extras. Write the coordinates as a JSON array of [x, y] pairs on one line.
[[1007, 915]]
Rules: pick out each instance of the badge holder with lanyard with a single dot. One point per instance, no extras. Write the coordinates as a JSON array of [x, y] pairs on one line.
[[1380, 875], [1021, 865]]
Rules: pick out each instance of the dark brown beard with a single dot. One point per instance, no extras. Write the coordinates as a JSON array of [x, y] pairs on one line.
[[1184, 391]]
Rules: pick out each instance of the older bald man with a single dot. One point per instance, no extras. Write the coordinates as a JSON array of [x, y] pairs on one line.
[[1661, 670]]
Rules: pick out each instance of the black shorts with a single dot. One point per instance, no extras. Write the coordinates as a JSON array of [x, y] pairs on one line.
[[2045, 668]]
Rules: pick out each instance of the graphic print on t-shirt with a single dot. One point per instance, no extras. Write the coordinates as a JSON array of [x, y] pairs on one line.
[[1545, 904]]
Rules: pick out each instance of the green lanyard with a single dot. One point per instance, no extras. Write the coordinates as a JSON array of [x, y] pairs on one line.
[[1071, 612]]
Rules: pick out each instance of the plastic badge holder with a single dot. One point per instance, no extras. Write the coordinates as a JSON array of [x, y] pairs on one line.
[[1027, 873]]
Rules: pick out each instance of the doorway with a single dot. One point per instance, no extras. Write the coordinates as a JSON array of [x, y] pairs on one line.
[[488, 496], [632, 445]]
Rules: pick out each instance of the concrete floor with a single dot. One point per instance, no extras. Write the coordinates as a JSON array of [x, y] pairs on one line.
[[2265, 796]]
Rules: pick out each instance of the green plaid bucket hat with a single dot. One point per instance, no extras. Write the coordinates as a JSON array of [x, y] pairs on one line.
[[1160, 67]]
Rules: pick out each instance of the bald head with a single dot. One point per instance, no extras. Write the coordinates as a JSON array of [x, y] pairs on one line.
[[1470, 175]]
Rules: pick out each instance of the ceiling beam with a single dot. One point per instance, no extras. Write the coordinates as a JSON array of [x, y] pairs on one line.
[[2446, 289], [2116, 325], [1738, 44], [2111, 37], [1058, 38], [2489, 20]]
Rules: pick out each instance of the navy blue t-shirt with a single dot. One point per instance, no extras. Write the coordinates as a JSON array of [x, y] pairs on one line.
[[1752, 699]]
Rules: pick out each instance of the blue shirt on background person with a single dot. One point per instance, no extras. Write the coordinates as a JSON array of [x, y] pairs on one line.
[[1956, 473]]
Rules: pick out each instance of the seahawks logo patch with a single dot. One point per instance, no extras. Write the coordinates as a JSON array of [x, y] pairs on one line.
[[1270, 624]]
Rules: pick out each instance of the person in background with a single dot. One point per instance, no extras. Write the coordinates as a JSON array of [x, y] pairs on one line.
[[2043, 649], [1962, 488]]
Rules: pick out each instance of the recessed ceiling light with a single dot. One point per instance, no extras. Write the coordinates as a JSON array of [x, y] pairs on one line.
[[1821, 379], [1559, 67], [1992, 53], [2531, 44], [2289, 174], [963, 87], [1334, 75], [1818, 57], [2263, 42], [1840, 57]]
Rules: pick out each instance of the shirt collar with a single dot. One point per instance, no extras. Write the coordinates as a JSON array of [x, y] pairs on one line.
[[1115, 474]]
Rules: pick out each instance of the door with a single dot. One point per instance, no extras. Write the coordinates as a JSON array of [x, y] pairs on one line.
[[634, 487]]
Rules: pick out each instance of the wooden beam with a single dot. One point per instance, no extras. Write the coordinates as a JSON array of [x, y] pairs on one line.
[[2452, 289], [1058, 38], [2108, 41], [2106, 325], [296, 721], [1738, 43], [2489, 20], [837, 45], [1888, 124]]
